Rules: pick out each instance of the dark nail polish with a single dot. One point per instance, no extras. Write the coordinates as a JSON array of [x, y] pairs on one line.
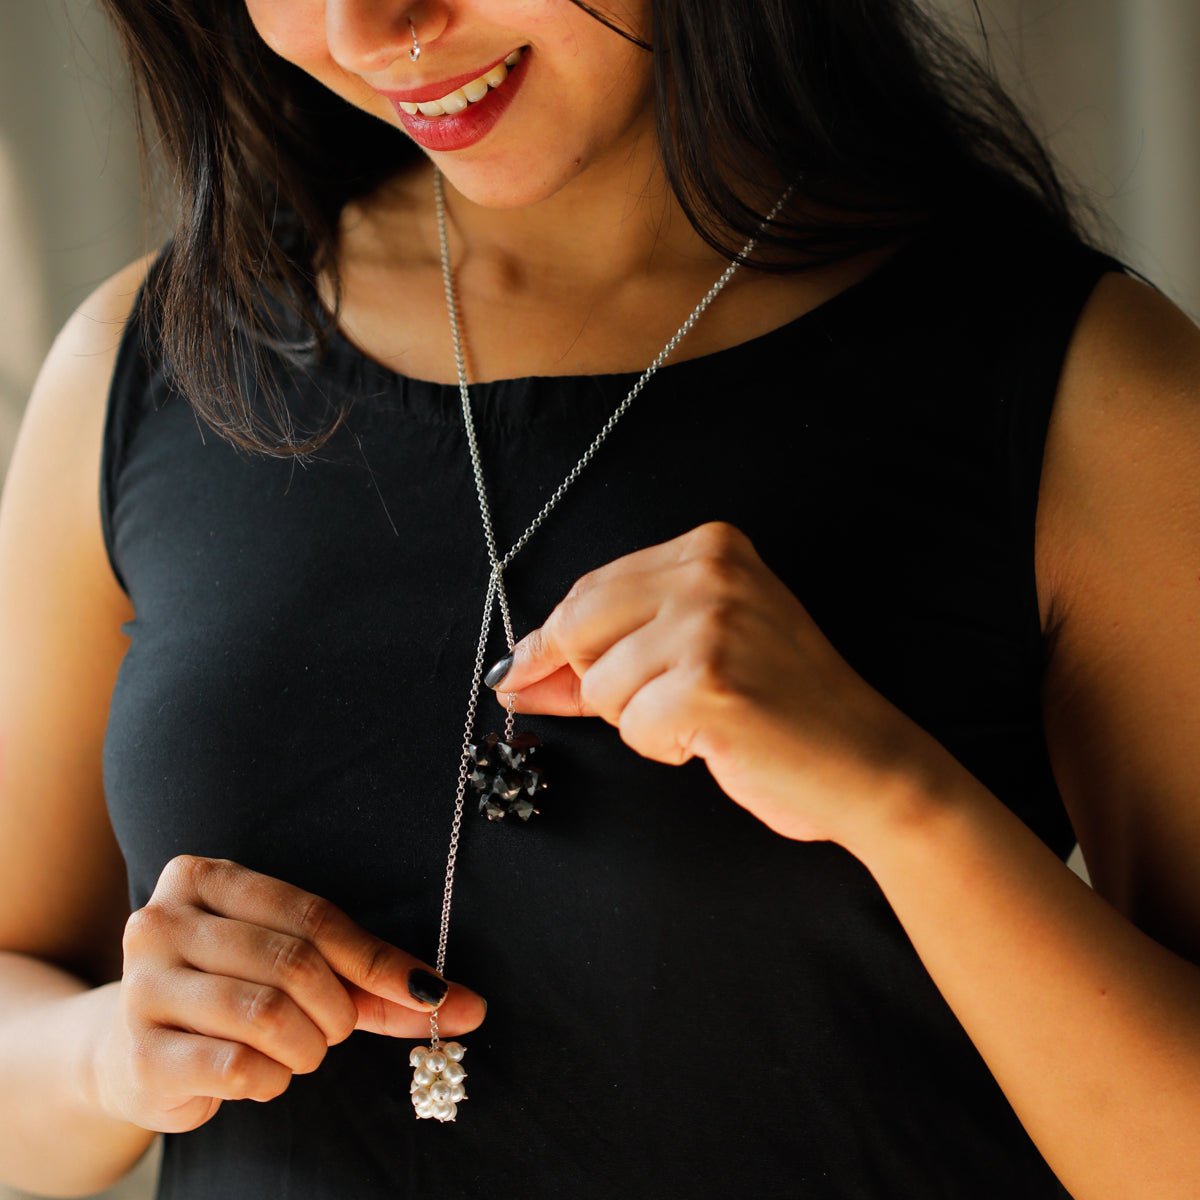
[[498, 672], [427, 987]]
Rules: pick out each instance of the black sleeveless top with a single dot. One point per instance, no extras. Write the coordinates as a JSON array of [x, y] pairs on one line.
[[682, 1003]]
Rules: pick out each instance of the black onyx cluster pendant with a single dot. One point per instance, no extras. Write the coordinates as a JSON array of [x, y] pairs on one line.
[[504, 776], [437, 1085]]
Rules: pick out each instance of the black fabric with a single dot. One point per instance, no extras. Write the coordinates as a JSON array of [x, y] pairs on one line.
[[681, 1003]]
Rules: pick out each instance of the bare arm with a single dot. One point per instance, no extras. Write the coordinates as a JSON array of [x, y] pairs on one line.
[[62, 882], [1091, 1027]]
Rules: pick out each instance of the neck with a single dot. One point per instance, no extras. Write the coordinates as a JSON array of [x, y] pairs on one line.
[[600, 230]]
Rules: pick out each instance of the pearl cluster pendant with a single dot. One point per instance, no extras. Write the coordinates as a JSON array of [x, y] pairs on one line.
[[437, 1085]]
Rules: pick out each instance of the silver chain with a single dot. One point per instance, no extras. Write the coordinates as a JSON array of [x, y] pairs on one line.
[[495, 588]]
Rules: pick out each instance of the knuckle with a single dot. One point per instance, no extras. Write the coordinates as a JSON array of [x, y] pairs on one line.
[[294, 961], [145, 927], [182, 870], [535, 641], [191, 874], [590, 690], [721, 538], [143, 1055], [235, 1069], [377, 965], [714, 678], [714, 627], [713, 577], [343, 1024], [558, 631], [309, 1057], [583, 584], [312, 917], [139, 987], [266, 1008], [270, 1084]]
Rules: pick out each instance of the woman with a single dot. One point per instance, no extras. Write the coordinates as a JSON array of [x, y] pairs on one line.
[[886, 581]]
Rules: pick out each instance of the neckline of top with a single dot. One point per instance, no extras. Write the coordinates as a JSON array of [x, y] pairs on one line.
[[342, 345]]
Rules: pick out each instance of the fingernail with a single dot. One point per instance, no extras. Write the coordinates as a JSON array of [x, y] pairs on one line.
[[427, 987], [498, 672]]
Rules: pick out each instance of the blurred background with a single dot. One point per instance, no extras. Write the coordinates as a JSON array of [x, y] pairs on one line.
[[1111, 83]]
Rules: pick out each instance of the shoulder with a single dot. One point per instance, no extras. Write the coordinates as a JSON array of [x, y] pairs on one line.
[[86, 348], [1118, 550], [52, 488], [71, 391], [1121, 475]]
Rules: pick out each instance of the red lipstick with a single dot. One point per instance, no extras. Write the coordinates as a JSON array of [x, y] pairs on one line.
[[457, 131]]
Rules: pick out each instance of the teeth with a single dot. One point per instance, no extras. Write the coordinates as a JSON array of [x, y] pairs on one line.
[[458, 99], [455, 102], [496, 76]]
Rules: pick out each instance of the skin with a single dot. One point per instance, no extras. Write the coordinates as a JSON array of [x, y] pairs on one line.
[[231, 983]]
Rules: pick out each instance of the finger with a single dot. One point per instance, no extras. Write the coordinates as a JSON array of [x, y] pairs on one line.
[[462, 1011], [220, 946], [610, 602], [558, 695], [177, 1066], [251, 1014], [612, 681], [597, 612], [660, 721], [227, 889]]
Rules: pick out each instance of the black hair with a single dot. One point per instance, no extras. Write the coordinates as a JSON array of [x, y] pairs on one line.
[[884, 121]]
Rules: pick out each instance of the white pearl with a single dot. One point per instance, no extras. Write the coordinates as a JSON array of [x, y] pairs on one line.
[[458, 1093], [444, 1111], [440, 1092], [435, 1062], [421, 1097], [454, 1051], [417, 1056], [423, 1076], [454, 1073]]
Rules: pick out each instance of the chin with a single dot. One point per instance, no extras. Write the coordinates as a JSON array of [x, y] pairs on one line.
[[509, 186]]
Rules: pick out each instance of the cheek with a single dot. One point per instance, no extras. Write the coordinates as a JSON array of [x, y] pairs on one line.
[[294, 29]]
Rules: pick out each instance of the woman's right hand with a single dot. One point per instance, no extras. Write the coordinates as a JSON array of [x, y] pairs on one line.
[[234, 982]]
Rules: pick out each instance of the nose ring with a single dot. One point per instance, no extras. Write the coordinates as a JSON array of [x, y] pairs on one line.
[[415, 52]]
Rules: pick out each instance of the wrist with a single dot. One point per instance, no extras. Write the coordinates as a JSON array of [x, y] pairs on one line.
[[95, 1094], [913, 794]]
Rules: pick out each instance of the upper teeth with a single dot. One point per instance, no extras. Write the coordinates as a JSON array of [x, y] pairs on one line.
[[458, 99]]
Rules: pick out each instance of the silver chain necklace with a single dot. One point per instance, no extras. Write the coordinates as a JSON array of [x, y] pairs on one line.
[[494, 764]]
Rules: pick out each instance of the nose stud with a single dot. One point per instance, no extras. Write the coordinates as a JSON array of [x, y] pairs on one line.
[[415, 52]]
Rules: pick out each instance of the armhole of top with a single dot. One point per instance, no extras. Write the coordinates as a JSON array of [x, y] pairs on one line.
[[127, 394], [1030, 423]]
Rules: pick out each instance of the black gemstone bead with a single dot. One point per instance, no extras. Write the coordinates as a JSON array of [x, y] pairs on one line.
[[503, 776]]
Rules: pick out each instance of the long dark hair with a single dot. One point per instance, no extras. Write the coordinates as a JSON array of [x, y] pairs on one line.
[[888, 122]]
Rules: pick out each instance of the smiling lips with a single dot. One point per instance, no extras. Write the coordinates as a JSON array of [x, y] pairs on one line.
[[466, 112], [469, 93]]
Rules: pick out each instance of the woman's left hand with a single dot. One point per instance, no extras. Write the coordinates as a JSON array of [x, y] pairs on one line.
[[693, 648]]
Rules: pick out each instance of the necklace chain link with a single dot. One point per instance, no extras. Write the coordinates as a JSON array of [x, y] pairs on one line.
[[495, 589]]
